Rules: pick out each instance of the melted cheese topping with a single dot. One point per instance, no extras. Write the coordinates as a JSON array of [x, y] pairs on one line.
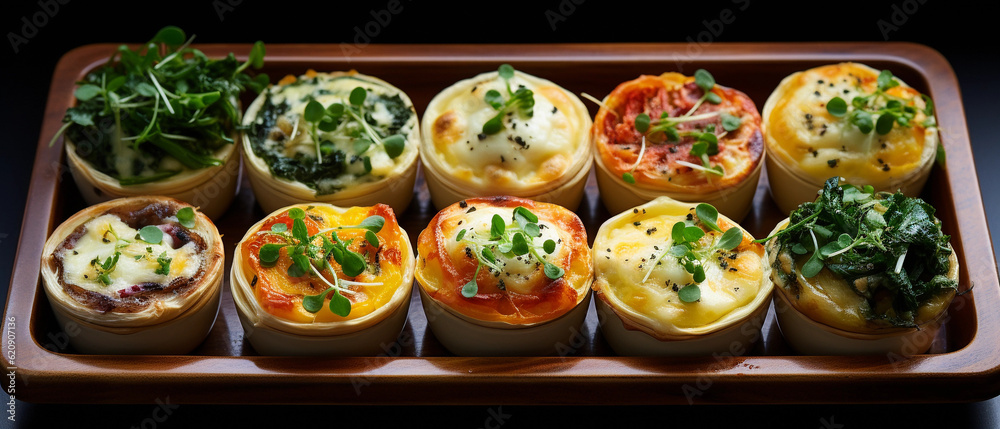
[[290, 137], [519, 294], [528, 151], [137, 260], [802, 135], [618, 143], [627, 246], [281, 295], [828, 299]]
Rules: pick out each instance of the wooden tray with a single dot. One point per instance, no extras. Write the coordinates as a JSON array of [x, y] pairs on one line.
[[961, 366]]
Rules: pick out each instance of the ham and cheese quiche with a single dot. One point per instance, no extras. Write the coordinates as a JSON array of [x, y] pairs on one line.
[[342, 138], [506, 133], [316, 279], [847, 120], [679, 136], [137, 275], [504, 276], [675, 278]]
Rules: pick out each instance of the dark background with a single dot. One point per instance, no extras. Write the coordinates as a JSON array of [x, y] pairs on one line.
[[963, 32]]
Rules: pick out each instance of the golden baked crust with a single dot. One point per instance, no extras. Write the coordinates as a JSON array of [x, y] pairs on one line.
[[803, 136], [522, 294]]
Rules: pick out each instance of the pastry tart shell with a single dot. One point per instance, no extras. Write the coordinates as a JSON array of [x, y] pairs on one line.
[[272, 335], [169, 326]]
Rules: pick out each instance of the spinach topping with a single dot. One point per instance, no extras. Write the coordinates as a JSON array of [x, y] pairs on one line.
[[143, 105], [889, 248], [301, 168], [319, 172]]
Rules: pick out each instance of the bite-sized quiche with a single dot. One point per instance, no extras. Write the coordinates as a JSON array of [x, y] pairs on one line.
[[676, 278], [506, 133], [320, 279], [342, 138], [679, 136], [131, 270], [160, 119], [848, 120], [862, 272], [493, 265]]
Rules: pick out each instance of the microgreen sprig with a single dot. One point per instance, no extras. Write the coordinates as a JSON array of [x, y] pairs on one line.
[[185, 216], [894, 110], [706, 142], [523, 98], [310, 255], [510, 240], [690, 253], [164, 264], [330, 118], [104, 269]]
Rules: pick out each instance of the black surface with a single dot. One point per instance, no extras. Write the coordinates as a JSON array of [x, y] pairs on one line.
[[963, 33]]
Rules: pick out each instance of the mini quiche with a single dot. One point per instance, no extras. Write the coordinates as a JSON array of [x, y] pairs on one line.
[[506, 133], [342, 138], [160, 119], [678, 136], [861, 272], [504, 276], [138, 275], [678, 279], [847, 120], [323, 280]]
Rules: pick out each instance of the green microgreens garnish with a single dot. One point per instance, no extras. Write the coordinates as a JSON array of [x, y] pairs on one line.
[[336, 115], [706, 142], [164, 263], [690, 252], [887, 247], [120, 242], [163, 98], [510, 240], [311, 255], [185, 217], [894, 110], [523, 98], [151, 234], [104, 269]]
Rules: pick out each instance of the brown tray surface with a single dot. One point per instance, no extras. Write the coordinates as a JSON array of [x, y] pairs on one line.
[[962, 364]]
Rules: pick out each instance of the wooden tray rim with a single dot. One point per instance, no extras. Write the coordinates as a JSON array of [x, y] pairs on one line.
[[974, 368]]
